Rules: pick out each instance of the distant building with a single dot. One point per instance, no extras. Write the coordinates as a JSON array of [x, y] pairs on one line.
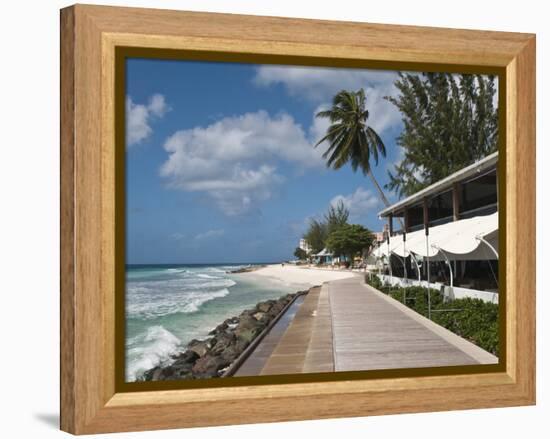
[[380, 237], [304, 245], [324, 257]]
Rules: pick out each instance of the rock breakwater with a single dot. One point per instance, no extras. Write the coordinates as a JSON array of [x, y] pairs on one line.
[[210, 357]]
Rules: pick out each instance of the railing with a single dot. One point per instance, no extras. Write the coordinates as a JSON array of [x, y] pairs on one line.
[[452, 293]]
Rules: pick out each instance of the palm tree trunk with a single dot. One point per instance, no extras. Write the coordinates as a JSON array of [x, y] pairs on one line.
[[382, 195]]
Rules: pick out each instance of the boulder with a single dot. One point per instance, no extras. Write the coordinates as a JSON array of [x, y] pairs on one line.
[[209, 365], [221, 342], [260, 316], [265, 306], [189, 357], [232, 321], [152, 374], [220, 328], [248, 334], [246, 313], [240, 344], [181, 368], [158, 373], [231, 352], [247, 322], [276, 309], [166, 373], [180, 376], [174, 373], [288, 298], [200, 347]]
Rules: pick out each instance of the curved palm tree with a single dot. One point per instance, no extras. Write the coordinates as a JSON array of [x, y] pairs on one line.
[[350, 138]]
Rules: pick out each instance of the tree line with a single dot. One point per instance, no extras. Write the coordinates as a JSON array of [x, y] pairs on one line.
[[334, 233]]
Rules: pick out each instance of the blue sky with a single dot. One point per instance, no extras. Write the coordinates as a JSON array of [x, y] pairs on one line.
[[220, 161]]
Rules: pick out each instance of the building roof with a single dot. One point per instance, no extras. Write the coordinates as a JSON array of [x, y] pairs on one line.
[[457, 240], [323, 252], [441, 185]]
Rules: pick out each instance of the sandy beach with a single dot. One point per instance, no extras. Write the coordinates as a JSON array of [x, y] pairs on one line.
[[302, 276]]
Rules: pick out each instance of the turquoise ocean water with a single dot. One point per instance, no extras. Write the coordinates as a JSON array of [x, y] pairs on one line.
[[169, 305]]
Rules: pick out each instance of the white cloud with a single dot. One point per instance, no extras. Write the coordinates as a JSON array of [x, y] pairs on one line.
[[319, 85], [138, 118], [234, 160], [209, 234], [157, 105], [360, 203]]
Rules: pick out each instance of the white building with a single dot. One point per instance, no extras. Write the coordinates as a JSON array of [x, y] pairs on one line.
[[450, 235], [304, 245]]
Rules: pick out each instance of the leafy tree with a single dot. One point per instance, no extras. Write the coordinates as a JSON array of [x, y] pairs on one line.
[[450, 121], [351, 139], [300, 253], [316, 235], [336, 216], [318, 230], [349, 239]]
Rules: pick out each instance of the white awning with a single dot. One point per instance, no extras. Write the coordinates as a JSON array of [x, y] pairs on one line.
[[323, 252], [384, 249], [458, 240]]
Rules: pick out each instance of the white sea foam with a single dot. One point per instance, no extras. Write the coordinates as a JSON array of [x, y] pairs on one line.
[[209, 283], [148, 306], [149, 349], [206, 276], [215, 270], [166, 307], [195, 304]]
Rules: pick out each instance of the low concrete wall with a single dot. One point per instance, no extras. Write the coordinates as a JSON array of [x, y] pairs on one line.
[[460, 293], [451, 293], [401, 282]]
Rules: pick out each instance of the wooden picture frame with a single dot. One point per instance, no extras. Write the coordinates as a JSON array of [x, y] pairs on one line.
[[90, 38]]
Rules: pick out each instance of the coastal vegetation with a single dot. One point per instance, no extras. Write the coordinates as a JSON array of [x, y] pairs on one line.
[[449, 122], [335, 234], [316, 235], [300, 253], [349, 240], [320, 229], [472, 319]]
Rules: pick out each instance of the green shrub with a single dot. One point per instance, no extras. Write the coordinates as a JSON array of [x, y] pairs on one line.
[[374, 281], [477, 321], [417, 298]]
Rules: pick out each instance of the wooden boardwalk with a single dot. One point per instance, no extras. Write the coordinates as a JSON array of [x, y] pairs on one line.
[[349, 326], [256, 361], [306, 346], [370, 333]]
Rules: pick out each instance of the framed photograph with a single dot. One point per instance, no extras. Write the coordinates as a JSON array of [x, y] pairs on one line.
[[267, 219]]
